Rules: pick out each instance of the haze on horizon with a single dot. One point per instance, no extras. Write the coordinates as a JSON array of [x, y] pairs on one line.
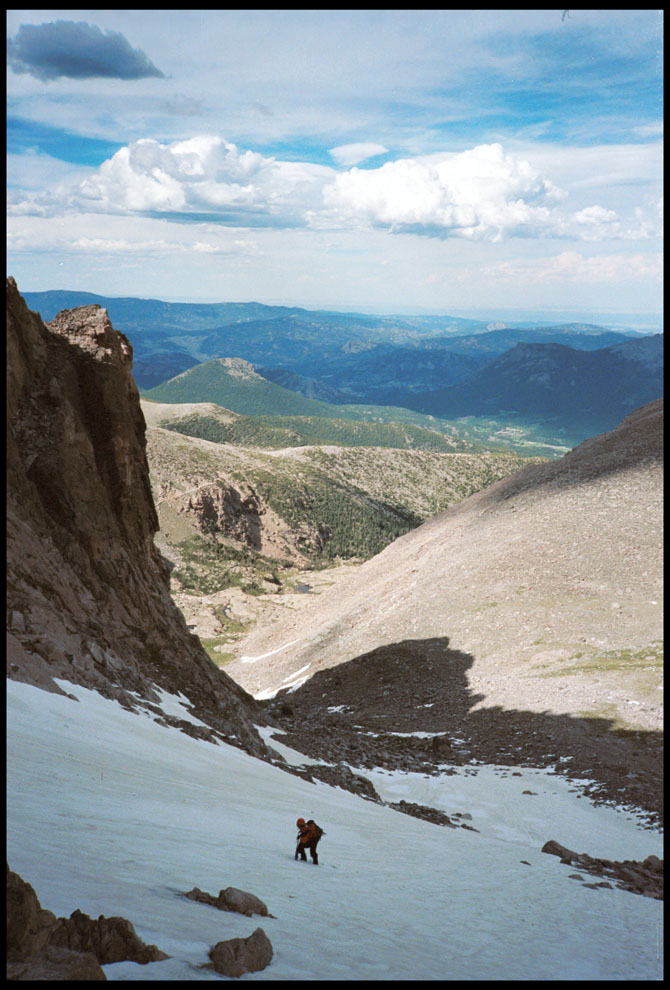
[[379, 161]]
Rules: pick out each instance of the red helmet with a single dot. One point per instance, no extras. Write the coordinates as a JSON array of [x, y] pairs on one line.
[[301, 821]]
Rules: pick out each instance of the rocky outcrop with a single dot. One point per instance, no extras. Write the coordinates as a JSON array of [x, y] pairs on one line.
[[237, 956], [109, 939], [29, 925], [337, 776], [644, 877], [87, 591], [41, 946], [231, 899], [228, 510], [423, 812]]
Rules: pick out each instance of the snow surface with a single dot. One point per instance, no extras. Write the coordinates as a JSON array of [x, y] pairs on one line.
[[113, 814]]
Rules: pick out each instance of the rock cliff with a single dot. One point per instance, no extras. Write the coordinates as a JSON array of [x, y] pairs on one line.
[[87, 591]]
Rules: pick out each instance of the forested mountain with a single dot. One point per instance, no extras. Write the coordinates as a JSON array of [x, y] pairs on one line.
[[587, 392], [571, 379]]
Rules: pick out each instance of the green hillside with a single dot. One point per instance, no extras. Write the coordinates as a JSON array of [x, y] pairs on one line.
[[300, 431], [233, 383]]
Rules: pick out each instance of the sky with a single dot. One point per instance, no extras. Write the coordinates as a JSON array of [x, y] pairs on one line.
[[112, 814], [416, 161]]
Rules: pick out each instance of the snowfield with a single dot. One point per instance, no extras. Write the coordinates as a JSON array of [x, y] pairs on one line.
[[113, 814]]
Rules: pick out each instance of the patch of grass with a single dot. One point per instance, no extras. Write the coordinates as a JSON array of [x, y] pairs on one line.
[[648, 658], [219, 657], [231, 627]]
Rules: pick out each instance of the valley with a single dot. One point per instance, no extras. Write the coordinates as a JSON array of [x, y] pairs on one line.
[[558, 383], [244, 526], [334, 496], [380, 628]]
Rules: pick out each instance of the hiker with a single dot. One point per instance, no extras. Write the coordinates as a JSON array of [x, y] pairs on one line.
[[308, 837]]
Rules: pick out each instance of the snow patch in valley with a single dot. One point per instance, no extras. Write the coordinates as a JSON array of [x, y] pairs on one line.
[[263, 656], [111, 813], [292, 682]]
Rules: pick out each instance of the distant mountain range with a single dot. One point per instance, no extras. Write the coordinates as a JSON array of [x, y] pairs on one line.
[[578, 392], [577, 378], [584, 390]]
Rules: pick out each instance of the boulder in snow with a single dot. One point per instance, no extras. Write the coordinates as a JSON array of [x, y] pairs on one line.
[[237, 956], [231, 899]]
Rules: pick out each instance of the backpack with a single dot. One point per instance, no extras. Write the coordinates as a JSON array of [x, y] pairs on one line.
[[317, 828]]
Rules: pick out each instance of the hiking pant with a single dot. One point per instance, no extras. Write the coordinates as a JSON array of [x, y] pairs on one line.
[[301, 851]]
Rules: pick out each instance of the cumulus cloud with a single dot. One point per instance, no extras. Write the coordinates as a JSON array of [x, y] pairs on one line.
[[76, 50], [203, 175], [352, 154], [480, 194], [483, 194]]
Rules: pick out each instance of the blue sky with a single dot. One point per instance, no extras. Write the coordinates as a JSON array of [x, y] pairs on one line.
[[389, 161]]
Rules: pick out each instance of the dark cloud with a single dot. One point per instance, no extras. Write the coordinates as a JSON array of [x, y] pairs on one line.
[[77, 50]]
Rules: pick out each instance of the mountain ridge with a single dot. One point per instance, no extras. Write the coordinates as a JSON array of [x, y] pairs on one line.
[[587, 392]]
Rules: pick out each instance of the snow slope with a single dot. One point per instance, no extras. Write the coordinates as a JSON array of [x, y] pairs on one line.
[[113, 814]]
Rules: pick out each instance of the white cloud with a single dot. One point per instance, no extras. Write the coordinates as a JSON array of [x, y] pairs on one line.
[[124, 236], [352, 154], [482, 194], [595, 215], [102, 245], [649, 130], [573, 267], [204, 174]]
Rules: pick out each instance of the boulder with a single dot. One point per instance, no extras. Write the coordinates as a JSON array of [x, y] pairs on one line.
[[644, 878], [422, 811], [556, 849], [237, 956], [231, 899], [201, 896]]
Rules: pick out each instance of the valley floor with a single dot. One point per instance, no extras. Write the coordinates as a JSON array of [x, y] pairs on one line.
[[113, 814]]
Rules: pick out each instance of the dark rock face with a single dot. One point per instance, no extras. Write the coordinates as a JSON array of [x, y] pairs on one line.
[[88, 592], [242, 955], [29, 925], [57, 964], [644, 877], [41, 946]]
